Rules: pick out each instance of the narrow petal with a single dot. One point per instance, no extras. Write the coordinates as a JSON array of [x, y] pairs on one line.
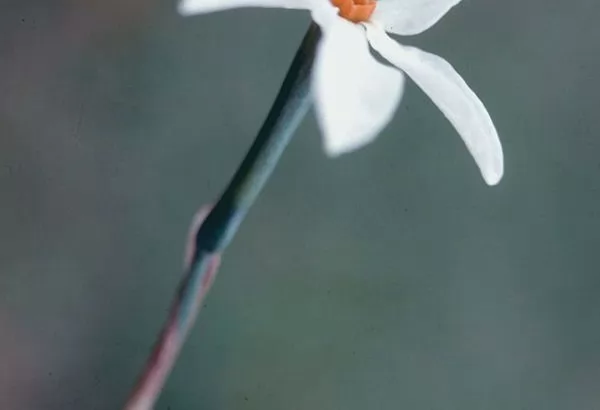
[[407, 17], [190, 7], [355, 96], [436, 77]]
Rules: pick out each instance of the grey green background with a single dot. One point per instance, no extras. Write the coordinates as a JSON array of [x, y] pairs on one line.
[[391, 278]]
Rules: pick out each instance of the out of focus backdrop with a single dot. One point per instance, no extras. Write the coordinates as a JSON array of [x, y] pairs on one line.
[[390, 278]]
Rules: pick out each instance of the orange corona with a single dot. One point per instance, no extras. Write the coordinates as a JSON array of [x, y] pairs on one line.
[[355, 10]]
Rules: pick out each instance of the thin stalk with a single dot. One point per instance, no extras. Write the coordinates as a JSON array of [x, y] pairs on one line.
[[222, 222]]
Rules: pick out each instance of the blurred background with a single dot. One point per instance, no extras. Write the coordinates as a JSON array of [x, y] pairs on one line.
[[389, 278]]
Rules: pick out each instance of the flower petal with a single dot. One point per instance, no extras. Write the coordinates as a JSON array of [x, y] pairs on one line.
[[408, 17], [436, 77], [355, 96], [190, 7]]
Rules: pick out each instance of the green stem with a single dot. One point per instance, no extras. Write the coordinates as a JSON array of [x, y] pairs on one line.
[[224, 219], [288, 110]]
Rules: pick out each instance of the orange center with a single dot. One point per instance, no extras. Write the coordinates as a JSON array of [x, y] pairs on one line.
[[355, 10]]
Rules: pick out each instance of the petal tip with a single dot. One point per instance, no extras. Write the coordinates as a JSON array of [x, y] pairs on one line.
[[493, 179], [185, 8], [338, 144], [494, 174], [332, 149]]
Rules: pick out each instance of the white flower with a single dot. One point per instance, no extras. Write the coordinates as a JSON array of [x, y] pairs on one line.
[[356, 96]]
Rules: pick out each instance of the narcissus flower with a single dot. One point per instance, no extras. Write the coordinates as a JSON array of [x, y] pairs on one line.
[[356, 95]]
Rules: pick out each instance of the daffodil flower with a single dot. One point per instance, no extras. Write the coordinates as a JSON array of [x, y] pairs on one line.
[[355, 95]]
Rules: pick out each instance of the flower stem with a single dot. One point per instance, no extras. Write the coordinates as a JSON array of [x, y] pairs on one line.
[[222, 222]]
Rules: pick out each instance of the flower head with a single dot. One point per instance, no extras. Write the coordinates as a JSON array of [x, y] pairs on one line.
[[356, 95]]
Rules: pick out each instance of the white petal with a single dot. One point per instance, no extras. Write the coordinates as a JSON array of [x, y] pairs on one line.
[[408, 17], [190, 7], [452, 95], [324, 13], [355, 96]]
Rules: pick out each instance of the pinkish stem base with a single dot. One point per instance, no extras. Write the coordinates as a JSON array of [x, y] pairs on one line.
[[168, 346]]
